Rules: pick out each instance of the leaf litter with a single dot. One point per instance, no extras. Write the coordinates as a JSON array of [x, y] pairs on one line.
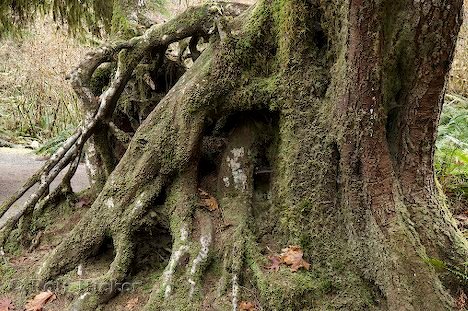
[[291, 256]]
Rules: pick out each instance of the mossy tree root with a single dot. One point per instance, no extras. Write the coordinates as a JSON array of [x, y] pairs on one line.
[[334, 189], [197, 21], [116, 217], [201, 244], [64, 188]]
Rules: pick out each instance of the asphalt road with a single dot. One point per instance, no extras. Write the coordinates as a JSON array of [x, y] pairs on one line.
[[18, 164]]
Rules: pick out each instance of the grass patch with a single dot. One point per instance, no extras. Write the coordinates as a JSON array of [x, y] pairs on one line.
[[36, 101], [451, 157], [458, 80]]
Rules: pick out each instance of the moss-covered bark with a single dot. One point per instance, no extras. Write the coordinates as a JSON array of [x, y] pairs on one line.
[[312, 123]]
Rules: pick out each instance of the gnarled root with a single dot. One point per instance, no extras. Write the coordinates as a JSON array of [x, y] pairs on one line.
[[195, 250], [199, 236], [123, 202], [196, 21], [343, 208]]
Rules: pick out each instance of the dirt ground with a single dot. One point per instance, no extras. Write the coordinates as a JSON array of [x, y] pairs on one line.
[[18, 164]]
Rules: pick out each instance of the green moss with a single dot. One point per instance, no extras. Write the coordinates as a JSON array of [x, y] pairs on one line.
[[271, 66], [87, 302], [13, 246], [7, 273], [79, 287], [121, 26], [101, 78], [285, 290], [54, 213], [152, 279]]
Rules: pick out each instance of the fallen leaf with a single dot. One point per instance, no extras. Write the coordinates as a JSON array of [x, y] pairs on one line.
[[292, 256], [40, 300], [275, 263], [462, 220], [247, 306], [132, 304], [461, 300], [6, 305], [83, 202], [208, 200]]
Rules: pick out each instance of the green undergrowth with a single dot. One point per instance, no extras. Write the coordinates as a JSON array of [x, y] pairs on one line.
[[13, 246], [459, 271], [51, 145], [37, 103], [7, 272], [451, 156]]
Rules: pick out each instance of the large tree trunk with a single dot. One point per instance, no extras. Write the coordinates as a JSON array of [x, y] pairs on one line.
[[312, 123]]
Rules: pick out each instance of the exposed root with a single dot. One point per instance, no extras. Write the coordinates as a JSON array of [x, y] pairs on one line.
[[316, 191], [180, 250], [102, 289], [27, 208], [64, 187], [202, 258], [236, 208], [235, 291], [8, 227], [41, 174], [196, 21], [121, 136]]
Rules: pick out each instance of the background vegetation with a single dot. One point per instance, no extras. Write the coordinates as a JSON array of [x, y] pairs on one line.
[[451, 160], [36, 102]]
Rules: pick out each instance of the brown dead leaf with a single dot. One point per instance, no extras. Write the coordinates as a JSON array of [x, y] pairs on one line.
[[132, 304], [292, 256], [275, 263], [83, 202], [20, 260], [247, 306], [6, 305], [461, 300], [208, 200], [40, 300], [462, 220]]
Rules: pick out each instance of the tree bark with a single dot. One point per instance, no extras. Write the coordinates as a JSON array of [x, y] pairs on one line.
[[312, 123]]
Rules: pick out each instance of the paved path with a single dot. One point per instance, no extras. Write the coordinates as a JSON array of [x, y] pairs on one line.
[[18, 164]]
